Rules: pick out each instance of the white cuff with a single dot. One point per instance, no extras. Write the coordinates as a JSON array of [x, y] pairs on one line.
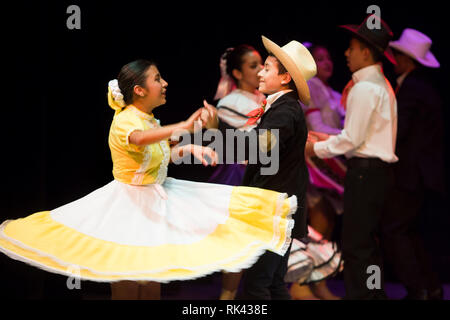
[[321, 150]]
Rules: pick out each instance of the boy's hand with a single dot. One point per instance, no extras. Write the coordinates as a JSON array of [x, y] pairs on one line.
[[315, 136], [309, 149]]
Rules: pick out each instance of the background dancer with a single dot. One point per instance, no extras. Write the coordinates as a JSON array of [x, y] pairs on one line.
[[368, 141]]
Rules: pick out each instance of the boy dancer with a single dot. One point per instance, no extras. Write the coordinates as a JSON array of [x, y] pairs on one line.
[[283, 79], [368, 140]]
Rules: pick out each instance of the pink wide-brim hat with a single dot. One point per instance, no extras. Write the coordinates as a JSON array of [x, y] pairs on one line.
[[416, 45]]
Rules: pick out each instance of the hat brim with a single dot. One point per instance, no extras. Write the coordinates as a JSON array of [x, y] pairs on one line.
[[429, 60], [291, 67], [353, 29]]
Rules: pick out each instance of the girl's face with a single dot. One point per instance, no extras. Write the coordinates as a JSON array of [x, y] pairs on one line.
[[324, 63], [251, 65], [269, 79], [154, 93]]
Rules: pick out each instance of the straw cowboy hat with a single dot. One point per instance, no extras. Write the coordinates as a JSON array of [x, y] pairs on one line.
[[378, 37], [298, 61], [416, 45]]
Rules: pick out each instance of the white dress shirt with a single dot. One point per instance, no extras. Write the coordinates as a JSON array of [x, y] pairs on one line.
[[370, 127], [273, 97]]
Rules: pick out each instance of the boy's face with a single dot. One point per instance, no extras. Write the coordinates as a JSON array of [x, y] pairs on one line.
[[355, 55], [402, 62], [269, 79]]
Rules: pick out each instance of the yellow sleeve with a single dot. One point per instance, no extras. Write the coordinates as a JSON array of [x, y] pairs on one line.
[[124, 125]]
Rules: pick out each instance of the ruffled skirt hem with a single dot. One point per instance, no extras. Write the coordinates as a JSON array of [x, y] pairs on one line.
[[82, 239]]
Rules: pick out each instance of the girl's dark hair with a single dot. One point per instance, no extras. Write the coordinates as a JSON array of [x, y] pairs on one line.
[[314, 46], [281, 70], [132, 74], [234, 58]]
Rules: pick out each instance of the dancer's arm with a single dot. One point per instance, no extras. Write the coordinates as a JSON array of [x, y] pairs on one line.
[[146, 137], [361, 104]]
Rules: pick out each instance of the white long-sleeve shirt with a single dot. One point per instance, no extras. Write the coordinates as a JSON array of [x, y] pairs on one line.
[[370, 127]]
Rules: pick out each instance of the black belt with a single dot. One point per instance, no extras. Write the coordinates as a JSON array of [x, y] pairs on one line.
[[356, 162]]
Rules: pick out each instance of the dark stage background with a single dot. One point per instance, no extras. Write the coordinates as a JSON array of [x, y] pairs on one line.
[[55, 117]]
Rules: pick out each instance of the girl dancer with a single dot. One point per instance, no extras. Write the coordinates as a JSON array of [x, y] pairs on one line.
[[145, 226]]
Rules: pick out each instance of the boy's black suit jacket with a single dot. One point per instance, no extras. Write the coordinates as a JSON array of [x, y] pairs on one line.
[[292, 177], [420, 144]]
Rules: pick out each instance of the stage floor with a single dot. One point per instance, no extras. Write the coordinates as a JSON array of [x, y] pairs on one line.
[[208, 288]]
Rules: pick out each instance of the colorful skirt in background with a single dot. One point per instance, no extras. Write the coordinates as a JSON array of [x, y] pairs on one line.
[[313, 259], [229, 174], [326, 177]]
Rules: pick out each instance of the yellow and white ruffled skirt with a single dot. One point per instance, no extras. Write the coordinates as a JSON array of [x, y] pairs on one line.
[[176, 231]]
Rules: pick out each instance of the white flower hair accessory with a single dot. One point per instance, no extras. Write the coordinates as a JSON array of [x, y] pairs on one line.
[[226, 83], [116, 93]]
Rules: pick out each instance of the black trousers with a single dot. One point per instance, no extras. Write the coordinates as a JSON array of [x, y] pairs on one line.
[[367, 185], [265, 279], [402, 241]]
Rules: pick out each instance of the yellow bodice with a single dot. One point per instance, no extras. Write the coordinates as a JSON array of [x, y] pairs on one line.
[[132, 164]]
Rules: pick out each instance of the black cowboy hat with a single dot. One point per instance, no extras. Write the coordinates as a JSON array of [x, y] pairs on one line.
[[378, 37]]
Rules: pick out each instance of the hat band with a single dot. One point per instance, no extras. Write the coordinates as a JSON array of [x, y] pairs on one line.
[[379, 44], [419, 51]]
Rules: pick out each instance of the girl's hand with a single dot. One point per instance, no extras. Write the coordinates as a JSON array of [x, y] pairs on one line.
[[201, 153], [194, 123]]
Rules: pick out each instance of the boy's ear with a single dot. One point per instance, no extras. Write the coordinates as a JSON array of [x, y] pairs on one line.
[[367, 54], [285, 78], [237, 74]]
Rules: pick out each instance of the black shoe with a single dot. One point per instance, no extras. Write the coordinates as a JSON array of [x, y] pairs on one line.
[[423, 294], [416, 295], [436, 294]]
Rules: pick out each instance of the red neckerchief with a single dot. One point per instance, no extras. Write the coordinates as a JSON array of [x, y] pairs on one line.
[[256, 114], [345, 92]]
